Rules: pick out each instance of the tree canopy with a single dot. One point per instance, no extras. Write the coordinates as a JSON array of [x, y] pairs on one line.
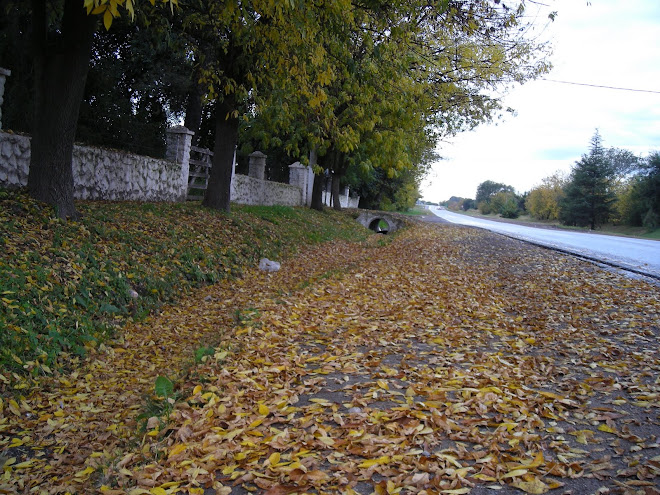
[[384, 82], [363, 85], [487, 189]]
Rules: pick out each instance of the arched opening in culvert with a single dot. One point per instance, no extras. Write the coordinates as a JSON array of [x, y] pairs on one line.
[[379, 226]]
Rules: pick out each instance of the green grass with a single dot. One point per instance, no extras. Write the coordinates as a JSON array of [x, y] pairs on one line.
[[66, 286], [416, 210]]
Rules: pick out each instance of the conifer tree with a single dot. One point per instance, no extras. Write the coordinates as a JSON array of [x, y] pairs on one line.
[[589, 198]]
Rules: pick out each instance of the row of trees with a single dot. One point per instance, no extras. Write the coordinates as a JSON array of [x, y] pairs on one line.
[[607, 185], [361, 89], [492, 197]]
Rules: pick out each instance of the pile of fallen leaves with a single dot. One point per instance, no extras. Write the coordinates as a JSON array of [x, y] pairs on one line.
[[446, 361], [66, 287]]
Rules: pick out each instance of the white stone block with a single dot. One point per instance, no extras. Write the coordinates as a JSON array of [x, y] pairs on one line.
[[7, 149]]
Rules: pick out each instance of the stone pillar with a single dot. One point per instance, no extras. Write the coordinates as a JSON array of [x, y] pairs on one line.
[[179, 140], [298, 176], [257, 165], [4, 74]]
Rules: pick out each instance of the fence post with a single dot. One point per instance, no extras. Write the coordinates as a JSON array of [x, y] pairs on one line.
[[257, 165], [4, 74], [179, 140]]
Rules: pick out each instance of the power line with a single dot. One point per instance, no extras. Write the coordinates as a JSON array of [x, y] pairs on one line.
[[601, 86]]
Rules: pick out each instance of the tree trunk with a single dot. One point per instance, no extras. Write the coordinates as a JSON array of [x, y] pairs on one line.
[[218, 192], [61, 64], [336, 203], [338, 162], [194, 111], [317, 192]]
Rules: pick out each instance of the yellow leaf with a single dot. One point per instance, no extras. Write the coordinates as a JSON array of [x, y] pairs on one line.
[[538, 460], [327, 441], [274, 458], [375, 462], [256, 423], [536, 486], [157, 491], [457, 491], [484, 477], [551, 395], [230, 435], [606, 429], [13, 407], [227, 470], [451, 459], [514, 473], [383, 384], [263, 410], [85, 472], [581, 436], [197, 389], [177, 450], [107, 19]]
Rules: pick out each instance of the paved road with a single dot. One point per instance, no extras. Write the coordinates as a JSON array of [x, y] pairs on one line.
[[639, 255]]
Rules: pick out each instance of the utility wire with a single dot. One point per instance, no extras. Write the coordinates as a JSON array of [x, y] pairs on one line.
[[601, 86]]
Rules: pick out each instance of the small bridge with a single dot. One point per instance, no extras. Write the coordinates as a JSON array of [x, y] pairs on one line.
[[380, 222]]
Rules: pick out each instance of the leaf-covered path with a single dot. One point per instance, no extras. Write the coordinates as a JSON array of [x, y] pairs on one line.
[[447, 361]]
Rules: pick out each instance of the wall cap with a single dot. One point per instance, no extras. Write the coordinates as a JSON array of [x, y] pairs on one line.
[[179, 129]]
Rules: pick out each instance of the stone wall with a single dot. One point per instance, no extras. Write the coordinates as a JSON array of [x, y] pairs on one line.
[[14, 160], [252, 191], [100, 173]]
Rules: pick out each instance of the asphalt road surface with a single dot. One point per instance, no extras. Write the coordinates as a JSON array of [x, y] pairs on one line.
[[637, 255]]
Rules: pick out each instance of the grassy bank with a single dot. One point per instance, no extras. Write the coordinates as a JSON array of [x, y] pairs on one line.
[[621, 230], [66, 286]]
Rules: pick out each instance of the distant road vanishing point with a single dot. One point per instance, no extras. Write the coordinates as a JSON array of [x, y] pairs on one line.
[[640, 256]]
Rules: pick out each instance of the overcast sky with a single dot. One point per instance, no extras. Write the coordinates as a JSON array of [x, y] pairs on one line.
[[606, 43]]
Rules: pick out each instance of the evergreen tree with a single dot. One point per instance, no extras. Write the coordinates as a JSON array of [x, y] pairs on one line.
[[589, 198]]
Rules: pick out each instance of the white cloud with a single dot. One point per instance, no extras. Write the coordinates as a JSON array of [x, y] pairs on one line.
[[607, 43]]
